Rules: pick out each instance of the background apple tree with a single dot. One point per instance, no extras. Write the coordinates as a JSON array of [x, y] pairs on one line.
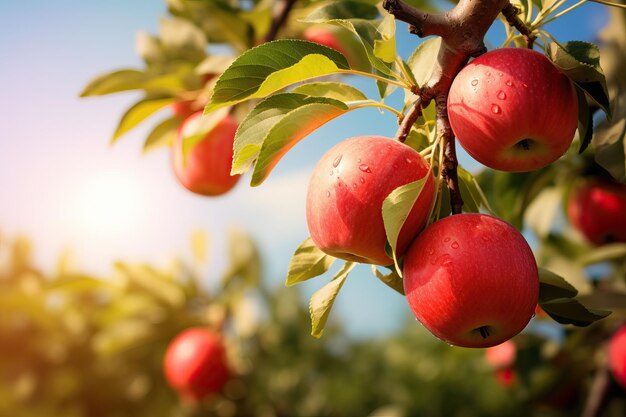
[[247, 60]]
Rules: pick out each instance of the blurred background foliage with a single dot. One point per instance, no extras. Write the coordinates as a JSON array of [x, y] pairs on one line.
[[77, 345]]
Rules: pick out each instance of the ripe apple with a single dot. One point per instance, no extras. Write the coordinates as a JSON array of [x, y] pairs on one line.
[[346, 193], [597, 209], [502, 355], [512, 110], [617, 355], [195, 364], [183, 109], [207, 171], [472, 280]]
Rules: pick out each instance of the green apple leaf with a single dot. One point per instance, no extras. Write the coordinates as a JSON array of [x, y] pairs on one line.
[[122, 80], [196, 129], [396, 209], [471, 192], [272, 66], [422, 60], [553, 286], [214, 64], [542, 211], [338, 91], [571, 311], [581, 62], [609, 252], [153, 283], [392, 279], [385, 47], [323, 299], [162, 135], [244, 260], [307, 262], [585, 121], [181, 39], [141, 111], [610, 148], [275, 125], [260, 17]]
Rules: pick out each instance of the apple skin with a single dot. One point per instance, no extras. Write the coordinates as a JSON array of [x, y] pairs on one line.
[[183, 109], [195, 364], [512, 110], [502, 355], [617, 356], [209, 162], [471, 280], [346, 193], [597, 208]]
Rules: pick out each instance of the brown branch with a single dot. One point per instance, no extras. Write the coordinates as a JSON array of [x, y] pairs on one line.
[[598, 392], [280, 17], [409, 120], [450, 162], [511, 13]]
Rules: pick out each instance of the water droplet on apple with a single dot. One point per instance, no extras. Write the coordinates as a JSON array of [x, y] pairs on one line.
[[455, 245], [359, 160], [495, 109], [533, 316], [485, 238], [509, 83], [446, 261], [408, 161], [447, 239], [354, 185], [431, 251], [474, 82], [525, 85], [365, 168], [362, 180], [488, 73], [501, 95], [327, 193], [500, 74], [337, 161], [395, 166]]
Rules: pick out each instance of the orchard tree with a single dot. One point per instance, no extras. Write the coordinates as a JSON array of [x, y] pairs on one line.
[[542, 116]]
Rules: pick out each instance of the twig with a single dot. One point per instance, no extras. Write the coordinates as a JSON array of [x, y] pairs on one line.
[[450, 162], [511, 13], [409, 120], [598, 392], [282, 12]]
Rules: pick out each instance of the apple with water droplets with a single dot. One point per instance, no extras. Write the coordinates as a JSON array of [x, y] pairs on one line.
[[346, 193], [207, 168], [195, 364], [597, 208], [471, 280], [513, 110]]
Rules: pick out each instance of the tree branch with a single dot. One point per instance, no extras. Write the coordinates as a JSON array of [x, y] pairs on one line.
[[511, 13], [598, 392], [409, 120], [280, 17], [450, 162]]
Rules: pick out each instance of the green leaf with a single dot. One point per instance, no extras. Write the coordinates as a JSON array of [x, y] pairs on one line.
[[610, 146], [585, 121], [244, 260], [259, 18], [182, 39], [471, 191], [307, 262], [553, 286], [139, 112], [275, 125], [396, 209], [392, 279], [541, 212], [570, 311], [122, 80], [609, 252], [338, 91], [581, 62], [422, 60], [272, 66], [385, 47], [153, 283], [199, 246], [323, 299], [162, 135], [214, 64]]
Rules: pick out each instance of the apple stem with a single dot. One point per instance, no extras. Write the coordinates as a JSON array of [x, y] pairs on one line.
[[511, 13], [484, 332]]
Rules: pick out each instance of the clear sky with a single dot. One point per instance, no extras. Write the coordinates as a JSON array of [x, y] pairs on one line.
[[66, 188]]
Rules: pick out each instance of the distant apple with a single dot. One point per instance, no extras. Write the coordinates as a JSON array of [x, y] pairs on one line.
[[598, 209], [502, 355], [617, 356], [183, 109], [512, 110], [472, 280], [207, 169], [346, 193], [195, 364]]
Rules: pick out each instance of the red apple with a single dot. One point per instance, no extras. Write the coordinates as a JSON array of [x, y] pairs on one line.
[[502, 355], [346, 193], [183, 109], [207, 171], [472, 280], [506, 377], [512, 110], [598, 209], [617, 355], [195, 364], [324, 35]]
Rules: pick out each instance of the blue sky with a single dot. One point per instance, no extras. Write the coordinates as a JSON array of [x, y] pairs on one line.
[[66, 188]]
